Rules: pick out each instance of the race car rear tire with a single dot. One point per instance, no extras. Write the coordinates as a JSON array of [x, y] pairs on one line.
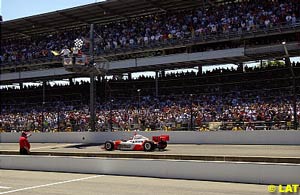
[[109, 145], [162, 145], [148, 146]]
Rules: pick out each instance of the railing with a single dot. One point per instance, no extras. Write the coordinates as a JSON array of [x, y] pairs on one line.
[[171, 126], [213, 126]]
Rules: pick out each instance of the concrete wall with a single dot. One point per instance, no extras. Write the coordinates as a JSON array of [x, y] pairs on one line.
[[33, 74], [260, 173], [131, 63], [189, 57], [281, 137]]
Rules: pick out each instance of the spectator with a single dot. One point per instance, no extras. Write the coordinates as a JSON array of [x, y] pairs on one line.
[[267, 101], [237, 127], [65, 52], [249, 127], [159, 29]]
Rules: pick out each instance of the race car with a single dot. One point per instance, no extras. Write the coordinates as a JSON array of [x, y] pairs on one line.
[[138, 143]]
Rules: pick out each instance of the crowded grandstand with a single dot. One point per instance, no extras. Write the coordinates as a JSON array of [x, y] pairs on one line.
[[238, 97]]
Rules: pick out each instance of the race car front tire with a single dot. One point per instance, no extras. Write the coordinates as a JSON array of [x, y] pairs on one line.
[[109, 145], [148, 146]]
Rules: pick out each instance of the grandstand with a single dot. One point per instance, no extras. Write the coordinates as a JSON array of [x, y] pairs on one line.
[[158, 36]]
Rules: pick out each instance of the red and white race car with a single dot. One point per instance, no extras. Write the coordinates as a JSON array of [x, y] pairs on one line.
[[138, 143]]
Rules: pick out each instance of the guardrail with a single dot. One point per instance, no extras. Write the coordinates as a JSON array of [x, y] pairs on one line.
[[279, 137], [171, 126]]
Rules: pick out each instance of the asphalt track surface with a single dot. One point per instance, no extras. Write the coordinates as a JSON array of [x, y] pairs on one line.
[[172, 149], [233, 153], [16, 182], [19, 182]]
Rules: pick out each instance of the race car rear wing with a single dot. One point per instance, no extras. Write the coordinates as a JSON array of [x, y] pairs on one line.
[[161, 138]]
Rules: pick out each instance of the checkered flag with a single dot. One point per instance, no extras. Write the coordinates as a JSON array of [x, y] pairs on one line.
[[78, 43]]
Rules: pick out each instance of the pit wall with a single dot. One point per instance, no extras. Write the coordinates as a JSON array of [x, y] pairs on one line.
[[278, 137], [258, 173]]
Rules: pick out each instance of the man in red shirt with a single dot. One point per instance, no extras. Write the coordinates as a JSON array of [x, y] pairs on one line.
[[24, 144]]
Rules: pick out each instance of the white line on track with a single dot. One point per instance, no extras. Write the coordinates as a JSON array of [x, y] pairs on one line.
[[51, 184]]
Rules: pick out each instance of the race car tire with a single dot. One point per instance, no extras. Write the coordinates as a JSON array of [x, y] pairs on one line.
[[148, 146], [109, 145], [162, 145]]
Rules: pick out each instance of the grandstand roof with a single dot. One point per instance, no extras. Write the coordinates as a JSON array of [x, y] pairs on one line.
[[101, 12]]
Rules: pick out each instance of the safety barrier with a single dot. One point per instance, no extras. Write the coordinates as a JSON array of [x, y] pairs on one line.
[[258, 173], [280, 137]]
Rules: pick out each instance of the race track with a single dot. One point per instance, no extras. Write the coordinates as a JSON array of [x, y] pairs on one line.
[[49, 183]]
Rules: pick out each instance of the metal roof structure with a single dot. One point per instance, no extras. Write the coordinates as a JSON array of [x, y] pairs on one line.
[[97, 13]]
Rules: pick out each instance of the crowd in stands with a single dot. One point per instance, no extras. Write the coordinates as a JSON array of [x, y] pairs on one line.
[[266, 102], [165, 113], [139, 32]]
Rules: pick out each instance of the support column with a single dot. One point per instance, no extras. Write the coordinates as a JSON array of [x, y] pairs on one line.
[[43, 105], [92, 81], [286, 61], [58, 107], [92, 102], [240, 67], [111, 115], [293, 78], [156, 83], [71, 81], [163, 73], [129, 76], [200, 69], [191, 110]]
